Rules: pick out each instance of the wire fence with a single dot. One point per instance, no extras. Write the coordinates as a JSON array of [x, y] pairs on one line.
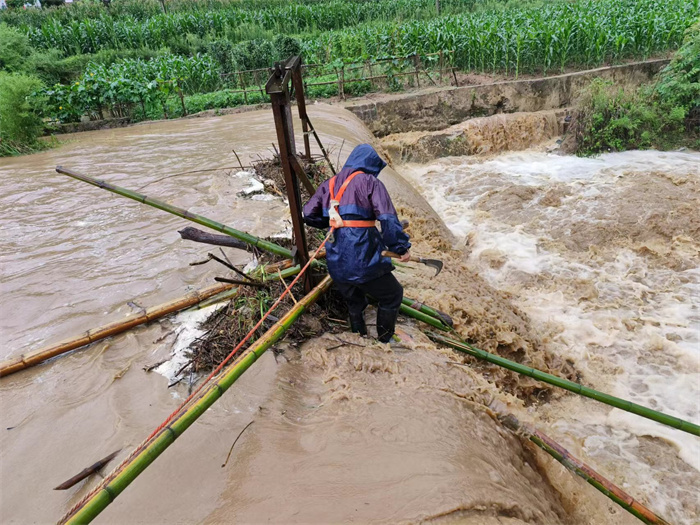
[[324, 80]]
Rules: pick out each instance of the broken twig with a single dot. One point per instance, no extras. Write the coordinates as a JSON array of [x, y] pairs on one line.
[[242, 283], [234, 444], [95, 467], [230, 267]]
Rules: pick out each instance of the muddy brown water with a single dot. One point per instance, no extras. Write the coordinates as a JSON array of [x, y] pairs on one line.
[[355, 434]]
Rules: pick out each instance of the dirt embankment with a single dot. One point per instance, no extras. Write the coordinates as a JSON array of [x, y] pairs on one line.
[[440, 108], [478, 136]]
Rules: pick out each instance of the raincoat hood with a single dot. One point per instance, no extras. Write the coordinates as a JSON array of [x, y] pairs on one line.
[[364, 158]]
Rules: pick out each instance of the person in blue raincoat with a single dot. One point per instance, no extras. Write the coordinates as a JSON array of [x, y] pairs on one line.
[[352, 202]]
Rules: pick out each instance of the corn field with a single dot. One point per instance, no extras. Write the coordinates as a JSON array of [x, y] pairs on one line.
[[585, 33], [104, 31], [335, 33]]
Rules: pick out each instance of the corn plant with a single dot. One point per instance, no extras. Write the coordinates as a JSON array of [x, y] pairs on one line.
[[557, 35]]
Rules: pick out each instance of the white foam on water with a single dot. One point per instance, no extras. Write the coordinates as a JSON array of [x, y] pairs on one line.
[[187, 330], [630, 326]]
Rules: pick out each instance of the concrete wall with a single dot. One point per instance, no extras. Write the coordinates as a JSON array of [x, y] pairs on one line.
[[441, 108]]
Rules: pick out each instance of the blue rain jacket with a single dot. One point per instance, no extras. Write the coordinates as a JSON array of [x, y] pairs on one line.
[[355, 254]]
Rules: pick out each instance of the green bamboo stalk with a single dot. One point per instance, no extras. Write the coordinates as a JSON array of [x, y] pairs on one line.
[[428, 319], [579, 468], [577, 388], [598, 485], [262, 244], [98, 502], [218, 298], [425, 309]]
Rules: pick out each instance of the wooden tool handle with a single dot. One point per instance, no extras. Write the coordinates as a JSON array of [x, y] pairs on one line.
[[393, 255]]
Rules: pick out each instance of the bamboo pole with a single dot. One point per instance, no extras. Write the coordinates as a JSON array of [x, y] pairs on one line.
[[416, 305], [98, 502], [196, 300], [577, 388], [223, 296], [579, 468], [435, 322], [30, 359], [262, 244]]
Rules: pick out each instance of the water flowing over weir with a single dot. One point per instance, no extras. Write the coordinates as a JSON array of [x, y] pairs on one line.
[[603, 255], [361, 434]]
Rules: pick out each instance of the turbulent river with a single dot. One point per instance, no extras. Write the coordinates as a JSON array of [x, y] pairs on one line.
[[587, 267]]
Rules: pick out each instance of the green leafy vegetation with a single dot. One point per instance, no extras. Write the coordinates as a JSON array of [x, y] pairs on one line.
[[20, 125], [104, 30], [14, 49], [143, 59], [679, 82], [664, 115], [554, 36], [129, 83]]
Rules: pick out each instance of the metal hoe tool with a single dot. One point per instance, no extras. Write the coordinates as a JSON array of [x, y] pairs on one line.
[[433, 263]]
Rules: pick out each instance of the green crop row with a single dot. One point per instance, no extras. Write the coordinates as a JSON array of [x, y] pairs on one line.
[[170, 85], [273, 9], [130, 85], [584, 33], [105, 31]]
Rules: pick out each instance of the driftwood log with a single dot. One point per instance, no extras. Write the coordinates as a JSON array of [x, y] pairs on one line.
[[193, 234], [92, 469]]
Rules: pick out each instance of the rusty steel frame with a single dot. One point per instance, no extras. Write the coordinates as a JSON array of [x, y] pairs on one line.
[[277, 87]]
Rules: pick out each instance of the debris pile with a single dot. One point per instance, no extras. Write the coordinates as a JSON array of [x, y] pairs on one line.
[[230, 324]]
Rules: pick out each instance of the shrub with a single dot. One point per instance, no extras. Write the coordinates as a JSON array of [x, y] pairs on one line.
[[222, 53], [286, 46], [20, 125], [614, 119], [14, 48], [254, 54], [679, 82], [15, 4]]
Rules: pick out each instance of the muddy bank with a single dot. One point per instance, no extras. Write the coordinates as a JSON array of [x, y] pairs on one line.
[[327, 448], [478, 136], [112, 123], [443, 107]]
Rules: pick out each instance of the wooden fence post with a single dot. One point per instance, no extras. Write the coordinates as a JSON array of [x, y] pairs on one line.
[[440, 66], [341, 82], [416, 65], [257, 83], [245, 91]]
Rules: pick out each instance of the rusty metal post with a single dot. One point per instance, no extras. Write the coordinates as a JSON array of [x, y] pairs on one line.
[[277, 88], [294, 65], [298, 84]]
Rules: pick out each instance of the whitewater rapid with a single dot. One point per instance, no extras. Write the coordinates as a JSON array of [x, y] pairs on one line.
[[603, 254]]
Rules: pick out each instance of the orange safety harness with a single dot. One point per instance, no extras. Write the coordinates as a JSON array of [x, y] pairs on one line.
[[335, 220]]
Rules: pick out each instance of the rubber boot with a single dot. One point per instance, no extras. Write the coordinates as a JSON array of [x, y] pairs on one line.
[[386, 323], [357, 324]]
